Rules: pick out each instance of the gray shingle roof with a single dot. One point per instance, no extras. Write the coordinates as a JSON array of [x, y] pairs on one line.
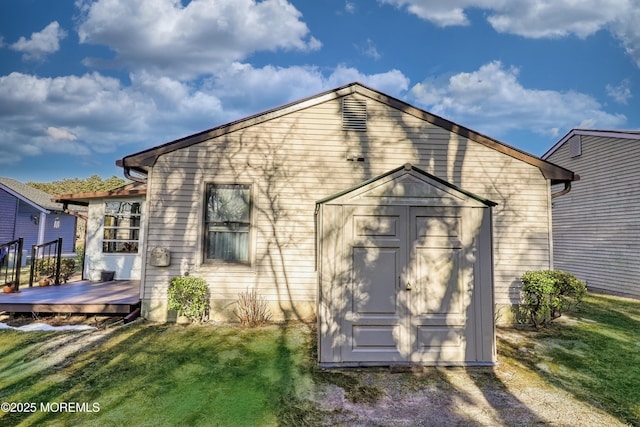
[[36, 196]]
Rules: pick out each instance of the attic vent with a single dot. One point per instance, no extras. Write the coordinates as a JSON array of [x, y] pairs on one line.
[[575, 146], [354, 114]]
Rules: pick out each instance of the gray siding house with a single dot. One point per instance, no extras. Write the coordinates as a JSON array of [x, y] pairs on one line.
[[401, 231], [29, 213], [596, 227]]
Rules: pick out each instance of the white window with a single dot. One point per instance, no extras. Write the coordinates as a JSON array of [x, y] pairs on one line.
[[227, 222], [121, 227]]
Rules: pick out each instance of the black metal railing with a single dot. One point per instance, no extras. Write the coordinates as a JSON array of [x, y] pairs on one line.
[[45, 261], [10, 265]]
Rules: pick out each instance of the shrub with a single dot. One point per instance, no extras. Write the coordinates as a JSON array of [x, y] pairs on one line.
[[189, 297], [251, 309], [67, 268], [79, 254], [47, 267], [546, 293]]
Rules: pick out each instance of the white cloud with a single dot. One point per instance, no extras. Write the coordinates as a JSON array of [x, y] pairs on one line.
[[243, 89], [370, 50], [541, 18], [556, 18], [620, 93], [81, 115], [492, 100], [40, 44], [197, 39], [350, 7], [61, 134], [442, 13], [627, 30], [69, 114]]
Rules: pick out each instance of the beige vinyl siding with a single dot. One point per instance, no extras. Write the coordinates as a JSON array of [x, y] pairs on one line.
[[596, 227], [295, 160]]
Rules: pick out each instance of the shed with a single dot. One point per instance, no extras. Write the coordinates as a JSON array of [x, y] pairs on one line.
[[31, 214], [596, 227], [322, 206], [406, 273]]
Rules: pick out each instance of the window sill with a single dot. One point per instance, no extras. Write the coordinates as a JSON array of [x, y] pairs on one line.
[[120, 253], [226, 265]]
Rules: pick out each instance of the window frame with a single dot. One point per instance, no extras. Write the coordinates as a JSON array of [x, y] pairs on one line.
[[106, 213], [205, 226]]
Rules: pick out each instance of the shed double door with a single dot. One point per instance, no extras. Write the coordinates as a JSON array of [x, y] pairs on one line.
[[409, 287]]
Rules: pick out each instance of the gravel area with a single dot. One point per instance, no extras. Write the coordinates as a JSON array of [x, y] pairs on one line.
[[506, 395]]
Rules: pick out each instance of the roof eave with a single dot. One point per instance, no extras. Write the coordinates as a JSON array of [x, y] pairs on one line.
[[82, 199]]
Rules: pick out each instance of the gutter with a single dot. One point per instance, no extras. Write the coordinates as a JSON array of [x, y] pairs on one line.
[[141, 175], [566, 189], [127, 174]]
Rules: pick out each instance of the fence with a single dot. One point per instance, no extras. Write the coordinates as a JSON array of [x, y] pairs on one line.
[[10, 264], [45, 261]]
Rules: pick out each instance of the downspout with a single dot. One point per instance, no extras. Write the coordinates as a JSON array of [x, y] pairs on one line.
[[565, 190], [144, 220]]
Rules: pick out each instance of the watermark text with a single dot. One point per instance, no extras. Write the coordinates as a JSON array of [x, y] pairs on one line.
[[54, 407]]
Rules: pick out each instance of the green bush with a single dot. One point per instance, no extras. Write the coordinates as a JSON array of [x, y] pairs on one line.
[[47, 267], [67, 268], [79, 254], [546, 293], [189, 297]]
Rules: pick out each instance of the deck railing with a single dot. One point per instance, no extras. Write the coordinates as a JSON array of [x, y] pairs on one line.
[[45, 261], [10, 265]]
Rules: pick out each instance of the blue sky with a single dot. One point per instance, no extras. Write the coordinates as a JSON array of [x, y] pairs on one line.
[[83, 83]]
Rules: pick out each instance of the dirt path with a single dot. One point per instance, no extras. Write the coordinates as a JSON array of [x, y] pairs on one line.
[[507, 395]]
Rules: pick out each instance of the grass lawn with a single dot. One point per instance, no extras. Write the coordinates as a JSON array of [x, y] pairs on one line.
[[153, 375], [593, 353], [156, 375]]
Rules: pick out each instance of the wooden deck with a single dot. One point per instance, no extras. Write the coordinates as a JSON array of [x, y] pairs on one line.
[[114, 297]]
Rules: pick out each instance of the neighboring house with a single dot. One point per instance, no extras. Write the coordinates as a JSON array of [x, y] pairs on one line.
[[401, 231], [31, 214], [596, 227], [114, 231]]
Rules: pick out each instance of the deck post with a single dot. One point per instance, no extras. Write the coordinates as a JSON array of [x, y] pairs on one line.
[[33, 264], [58, 261], [18, 263]]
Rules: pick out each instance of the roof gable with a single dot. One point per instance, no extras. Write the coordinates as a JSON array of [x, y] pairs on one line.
[[620, 134], [32, 196], [143, 160], [407, 185]]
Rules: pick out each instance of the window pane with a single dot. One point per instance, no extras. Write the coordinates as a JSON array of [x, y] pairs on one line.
[[228, 203], [121, 226], [227, 221], [121, 234], [230, 246], [123, 247]]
